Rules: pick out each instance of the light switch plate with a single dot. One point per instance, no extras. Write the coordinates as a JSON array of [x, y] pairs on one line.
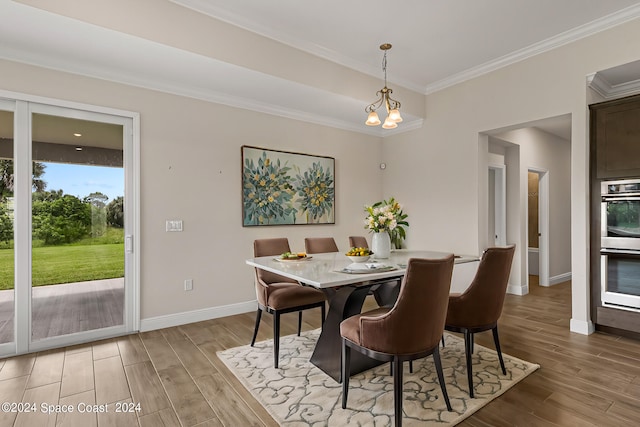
[[174, 225]]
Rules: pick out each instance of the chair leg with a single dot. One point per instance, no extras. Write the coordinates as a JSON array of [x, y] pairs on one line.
[[323, 313], [397, 390], [473, 343], [496, 341], [299, 322], [443, 386], [345, 372], [468, 338], [255, 329], [276, 338], [442, 341]]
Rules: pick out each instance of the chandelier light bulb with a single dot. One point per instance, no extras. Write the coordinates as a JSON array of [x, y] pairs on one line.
[[395, 115], [389, 124], [373, 119]]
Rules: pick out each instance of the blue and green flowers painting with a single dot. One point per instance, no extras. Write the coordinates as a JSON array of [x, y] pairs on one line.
[[281, 188]]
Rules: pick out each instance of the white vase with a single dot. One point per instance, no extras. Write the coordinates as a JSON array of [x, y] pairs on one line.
[[381, 245]]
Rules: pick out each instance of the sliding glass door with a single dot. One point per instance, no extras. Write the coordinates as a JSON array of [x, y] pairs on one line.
[[7, 256], [73, 227]]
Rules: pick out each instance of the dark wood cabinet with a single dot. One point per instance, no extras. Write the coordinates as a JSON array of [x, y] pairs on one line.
[[615, 133], [614, 154]]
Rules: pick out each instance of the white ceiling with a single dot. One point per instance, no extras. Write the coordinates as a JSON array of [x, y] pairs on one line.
[[436, 43]]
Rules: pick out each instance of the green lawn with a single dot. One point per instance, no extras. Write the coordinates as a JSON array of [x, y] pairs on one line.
[[65, 264]]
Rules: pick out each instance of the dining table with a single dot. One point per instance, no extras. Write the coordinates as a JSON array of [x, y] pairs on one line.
[[346, 285]]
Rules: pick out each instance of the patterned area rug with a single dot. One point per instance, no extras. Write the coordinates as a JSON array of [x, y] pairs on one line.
[[299, 394]]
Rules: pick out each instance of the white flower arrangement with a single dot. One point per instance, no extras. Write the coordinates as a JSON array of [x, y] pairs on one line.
[[387, 216]]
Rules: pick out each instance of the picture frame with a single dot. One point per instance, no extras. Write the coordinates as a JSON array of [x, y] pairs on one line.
[[286, 188]]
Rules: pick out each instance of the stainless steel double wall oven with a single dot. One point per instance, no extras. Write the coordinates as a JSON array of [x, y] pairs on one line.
[[620, 243]]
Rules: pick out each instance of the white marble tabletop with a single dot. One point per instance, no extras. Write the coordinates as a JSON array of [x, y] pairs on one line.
[[326, 270]]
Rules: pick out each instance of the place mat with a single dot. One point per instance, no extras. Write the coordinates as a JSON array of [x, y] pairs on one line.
[[300, 394]]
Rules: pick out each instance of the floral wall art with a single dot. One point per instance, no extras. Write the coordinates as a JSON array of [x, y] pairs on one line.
[[284, 188]]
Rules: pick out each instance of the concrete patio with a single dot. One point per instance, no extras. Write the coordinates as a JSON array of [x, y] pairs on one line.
[[67, 308]]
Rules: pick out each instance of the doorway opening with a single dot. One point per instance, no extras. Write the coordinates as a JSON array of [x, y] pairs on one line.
[[497, 205], [541, 149], [538, 226]]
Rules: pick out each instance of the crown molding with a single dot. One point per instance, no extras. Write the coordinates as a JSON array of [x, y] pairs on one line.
[[586, 30], [213, 96], [300, 102], [598, 84], [601, 85], [221, 14], [601, 24]]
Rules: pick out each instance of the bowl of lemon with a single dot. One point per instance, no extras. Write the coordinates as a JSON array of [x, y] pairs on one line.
[[359, 254]]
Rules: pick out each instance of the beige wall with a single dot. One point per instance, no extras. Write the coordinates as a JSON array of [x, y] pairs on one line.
[[191, 166], [190, 170], [438, 179]]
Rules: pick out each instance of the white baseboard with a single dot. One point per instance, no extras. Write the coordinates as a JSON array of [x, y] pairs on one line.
[[582, 327], [177, 319], [560, 278], [517, 289]]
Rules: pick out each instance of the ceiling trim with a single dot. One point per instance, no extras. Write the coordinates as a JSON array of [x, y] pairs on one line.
[[54, 58], [625, 15], [224, 99], [605, 89], [204, 7], [601, 24]]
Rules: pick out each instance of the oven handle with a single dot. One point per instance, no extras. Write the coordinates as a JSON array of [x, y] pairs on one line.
[[621, 198], [605, 251]]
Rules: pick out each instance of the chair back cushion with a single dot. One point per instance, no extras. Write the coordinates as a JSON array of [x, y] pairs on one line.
[[416, 321], [268, 247], [317, 245], [358, 242], [481, 304]]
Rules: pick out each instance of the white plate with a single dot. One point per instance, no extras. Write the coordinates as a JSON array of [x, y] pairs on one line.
[[307, 258]]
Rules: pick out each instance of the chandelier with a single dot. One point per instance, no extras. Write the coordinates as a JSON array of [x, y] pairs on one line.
[[392, 106]]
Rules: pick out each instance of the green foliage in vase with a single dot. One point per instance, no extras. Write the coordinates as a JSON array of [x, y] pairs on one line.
[[387, 215], [315, 188], [267, 191]]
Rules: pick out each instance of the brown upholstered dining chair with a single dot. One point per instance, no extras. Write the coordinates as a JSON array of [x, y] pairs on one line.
[[278, 295], [317, 245], [358, 242], [479, 307], [409, 330]]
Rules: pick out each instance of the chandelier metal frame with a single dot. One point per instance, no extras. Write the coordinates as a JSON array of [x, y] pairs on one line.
[[384, 94]]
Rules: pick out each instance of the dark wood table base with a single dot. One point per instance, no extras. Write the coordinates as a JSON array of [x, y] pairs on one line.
[[344, 302]]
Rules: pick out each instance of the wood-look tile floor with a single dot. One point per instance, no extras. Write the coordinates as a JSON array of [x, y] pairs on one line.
[[175, 379]]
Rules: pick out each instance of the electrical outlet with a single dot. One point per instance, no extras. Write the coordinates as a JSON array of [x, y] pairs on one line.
[[188, 285]]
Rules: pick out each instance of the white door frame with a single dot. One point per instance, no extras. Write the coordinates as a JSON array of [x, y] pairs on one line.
[[543, 224], [24, 106], [500, 208]]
